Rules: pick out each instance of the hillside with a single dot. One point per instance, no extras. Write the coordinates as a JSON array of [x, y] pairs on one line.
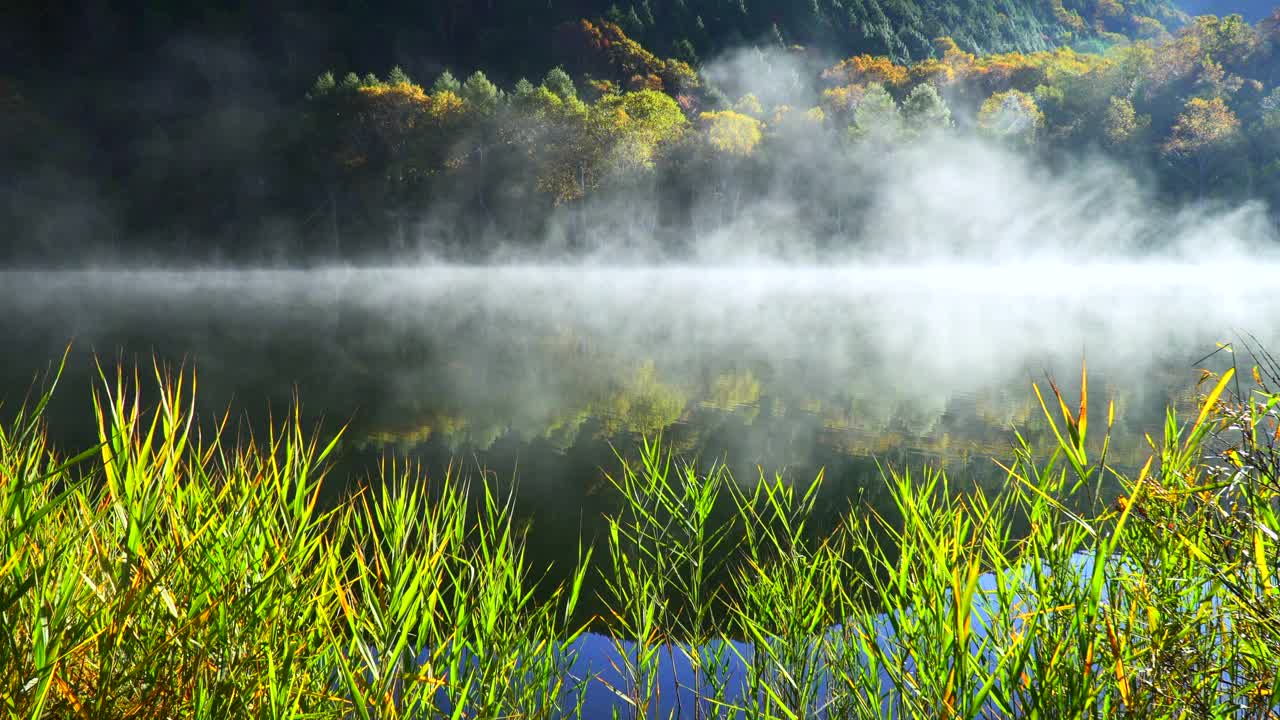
[[1251, 10], [186, 128], [290, 38]]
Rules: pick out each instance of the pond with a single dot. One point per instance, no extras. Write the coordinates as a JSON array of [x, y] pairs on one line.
[[546, 374]]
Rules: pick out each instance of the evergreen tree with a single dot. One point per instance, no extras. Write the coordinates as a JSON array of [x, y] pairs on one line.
[[324, 85], [446, 83], [480, 94], [924, 110], [559, 83], [398, 76]]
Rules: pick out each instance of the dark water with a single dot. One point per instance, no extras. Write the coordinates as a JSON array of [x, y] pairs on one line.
[[547, 374], [791, 369]]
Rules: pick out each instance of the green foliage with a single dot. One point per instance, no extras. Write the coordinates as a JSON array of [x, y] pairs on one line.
[[156, 576], [1121, 123], [924, 110], [446, 82], [876, 117], [324, 85], [398, 76], [480, 94], [1012, 116], [559, 83], [1194, 105], [523, 88]]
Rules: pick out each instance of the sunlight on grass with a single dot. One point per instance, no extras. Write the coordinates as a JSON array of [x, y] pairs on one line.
[[168, 573]]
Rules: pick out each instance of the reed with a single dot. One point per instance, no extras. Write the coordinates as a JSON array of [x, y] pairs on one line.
[[172, 573]]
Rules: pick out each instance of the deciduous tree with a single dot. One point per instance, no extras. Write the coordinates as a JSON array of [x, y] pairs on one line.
[[1012, 116], [1203, 134]]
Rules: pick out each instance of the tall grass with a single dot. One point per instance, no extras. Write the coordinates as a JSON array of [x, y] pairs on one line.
[[165, 573]]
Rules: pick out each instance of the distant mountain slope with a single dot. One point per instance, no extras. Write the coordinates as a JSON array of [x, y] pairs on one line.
[[1252, 10], [298, 36], [901, 29]]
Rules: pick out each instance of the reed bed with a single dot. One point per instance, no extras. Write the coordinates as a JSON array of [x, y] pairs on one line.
[[170, 574]]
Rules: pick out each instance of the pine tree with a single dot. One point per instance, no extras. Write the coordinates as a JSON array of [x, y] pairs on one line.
[[559, 83], [446, 83], [398, 76]]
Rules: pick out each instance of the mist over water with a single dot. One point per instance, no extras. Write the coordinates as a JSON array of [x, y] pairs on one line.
[[905, 327], [523, 350]]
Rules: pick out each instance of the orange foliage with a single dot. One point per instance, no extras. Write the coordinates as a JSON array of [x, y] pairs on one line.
[[867, 69], [398, 92], [842, 101], [603, 48], [644, 82], [932, 70], [1203, 124]]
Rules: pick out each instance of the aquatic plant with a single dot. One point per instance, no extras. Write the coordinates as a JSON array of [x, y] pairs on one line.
[[170, 571]]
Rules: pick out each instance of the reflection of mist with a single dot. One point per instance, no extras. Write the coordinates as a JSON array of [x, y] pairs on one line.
[[861, 358]]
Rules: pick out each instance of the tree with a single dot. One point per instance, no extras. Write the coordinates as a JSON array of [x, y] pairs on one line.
[[1011, 115], [560, 84], [619, 136], [749, 104], [638, 124], [1202, 134], [446, 83], [522, 88], [732, 133], [876, 116], [480, 94], [1121, 123], [924, 110], [398, 76], [324, 85], [864, 69]]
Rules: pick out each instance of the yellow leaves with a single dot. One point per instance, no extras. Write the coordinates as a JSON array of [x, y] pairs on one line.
[[1070, 18], [678, 76], [1203, 124], [639, 122], [1120, 121], [932, 70], [1260, 559], [445, 105], [1118, 652], [749, 104], [401, 91], [788, 118], [867, 69], [618, 134], [732, 133], [1012, 114], [645, 81], [842, 100]]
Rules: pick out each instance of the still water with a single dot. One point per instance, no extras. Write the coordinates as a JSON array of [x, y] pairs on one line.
[[547, 374]]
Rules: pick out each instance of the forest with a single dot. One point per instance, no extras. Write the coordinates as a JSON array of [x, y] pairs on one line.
[[632, 359], [688, 113], [1199, 107]]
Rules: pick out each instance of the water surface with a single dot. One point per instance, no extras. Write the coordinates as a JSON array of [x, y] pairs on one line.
[[545, 372]]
